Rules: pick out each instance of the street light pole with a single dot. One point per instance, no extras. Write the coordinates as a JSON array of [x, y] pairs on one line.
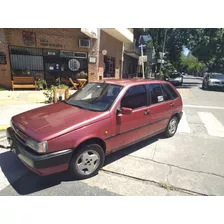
[[143, 72], [164, 43]]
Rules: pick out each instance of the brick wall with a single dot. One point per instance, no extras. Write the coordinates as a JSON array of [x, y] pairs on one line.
[[94, 52], [5, 75], [114, 49], [68, 38]]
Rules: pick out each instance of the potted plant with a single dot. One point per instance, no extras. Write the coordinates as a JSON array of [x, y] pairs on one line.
[[82, 75], [49, 94]]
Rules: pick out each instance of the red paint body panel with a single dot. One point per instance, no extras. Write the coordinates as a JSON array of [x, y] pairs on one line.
[[66, 127]]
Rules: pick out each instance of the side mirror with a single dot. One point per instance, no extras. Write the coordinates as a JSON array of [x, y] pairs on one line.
[[126, 110]]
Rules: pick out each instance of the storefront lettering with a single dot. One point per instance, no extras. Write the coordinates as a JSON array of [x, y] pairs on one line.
[[44, 42]]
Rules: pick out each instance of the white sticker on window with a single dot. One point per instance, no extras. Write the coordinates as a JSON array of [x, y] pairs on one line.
[[160, 98]]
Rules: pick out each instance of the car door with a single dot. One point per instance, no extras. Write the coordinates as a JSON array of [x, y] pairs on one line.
[[161, 108], [134, 126]]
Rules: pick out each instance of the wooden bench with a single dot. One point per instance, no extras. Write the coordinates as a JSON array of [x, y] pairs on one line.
[[23, 83]]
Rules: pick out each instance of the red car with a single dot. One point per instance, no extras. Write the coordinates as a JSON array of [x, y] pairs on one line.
[[99, 119]]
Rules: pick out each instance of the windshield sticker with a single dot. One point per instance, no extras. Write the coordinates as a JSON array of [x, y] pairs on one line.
[[160, 98]]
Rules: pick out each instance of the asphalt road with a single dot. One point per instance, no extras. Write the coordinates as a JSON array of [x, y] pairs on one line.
[[190, 163]]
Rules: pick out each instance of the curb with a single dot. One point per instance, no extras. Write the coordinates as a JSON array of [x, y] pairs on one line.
[[3, 127]]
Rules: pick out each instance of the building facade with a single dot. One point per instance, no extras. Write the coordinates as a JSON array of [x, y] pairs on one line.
[[62, 53]]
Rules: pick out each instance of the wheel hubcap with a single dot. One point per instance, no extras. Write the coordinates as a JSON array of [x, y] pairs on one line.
[[172, 126], [87, 162]]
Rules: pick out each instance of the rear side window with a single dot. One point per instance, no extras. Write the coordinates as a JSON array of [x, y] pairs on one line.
[[135, 97], [168, 92], [156, 93]]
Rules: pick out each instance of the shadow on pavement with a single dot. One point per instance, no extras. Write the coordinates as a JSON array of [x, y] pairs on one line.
[[126, 151], [25, 182]]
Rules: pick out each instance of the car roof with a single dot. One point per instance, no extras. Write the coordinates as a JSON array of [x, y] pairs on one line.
[[125, 82]]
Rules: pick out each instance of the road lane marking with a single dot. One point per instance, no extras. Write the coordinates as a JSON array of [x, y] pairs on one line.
[[204, 107], [183, 125], [213, 126]]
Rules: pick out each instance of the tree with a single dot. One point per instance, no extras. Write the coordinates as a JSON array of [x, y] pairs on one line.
[[173, 44], [191, 63], [208, 46]]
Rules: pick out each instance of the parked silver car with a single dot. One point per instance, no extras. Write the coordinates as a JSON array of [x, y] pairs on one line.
[[213, 80]]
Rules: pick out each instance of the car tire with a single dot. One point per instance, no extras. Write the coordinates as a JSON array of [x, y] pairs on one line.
[[171, 127], [87, 161]]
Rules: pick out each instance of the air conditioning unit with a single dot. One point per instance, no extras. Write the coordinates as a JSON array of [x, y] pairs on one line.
[[84, 43]]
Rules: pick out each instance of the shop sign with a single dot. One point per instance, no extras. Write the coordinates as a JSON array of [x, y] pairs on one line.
[[2, 58], [29, 38], [51, 53], [69, 54], [92, 60], [74, 65]]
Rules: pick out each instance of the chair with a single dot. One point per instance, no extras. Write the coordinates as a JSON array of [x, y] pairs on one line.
[[75, 85]]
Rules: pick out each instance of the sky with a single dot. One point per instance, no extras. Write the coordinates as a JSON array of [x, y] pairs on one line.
[[185, 50]]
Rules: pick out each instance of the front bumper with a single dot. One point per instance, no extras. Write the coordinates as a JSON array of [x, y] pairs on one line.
[[216, 86], [42, 164]]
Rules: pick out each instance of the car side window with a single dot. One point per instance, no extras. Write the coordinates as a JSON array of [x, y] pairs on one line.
[[168, 92], [156, 93], [135, 97]]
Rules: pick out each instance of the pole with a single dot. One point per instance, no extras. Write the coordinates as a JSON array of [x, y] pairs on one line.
[[164, 43], [143, 72]]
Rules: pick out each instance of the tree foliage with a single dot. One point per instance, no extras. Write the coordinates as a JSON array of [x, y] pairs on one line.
[[174, 44], [207, 45], [191, 64]]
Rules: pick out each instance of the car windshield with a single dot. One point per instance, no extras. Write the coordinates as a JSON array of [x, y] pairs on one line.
[[95, 96], [174, 75], [217, 76]]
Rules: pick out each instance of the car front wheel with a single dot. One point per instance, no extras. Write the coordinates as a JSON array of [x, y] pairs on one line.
[[171, 127], [87, 161]]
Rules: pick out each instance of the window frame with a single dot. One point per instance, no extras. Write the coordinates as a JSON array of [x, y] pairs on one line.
[[150, 96], [147, 97], [172, 97]]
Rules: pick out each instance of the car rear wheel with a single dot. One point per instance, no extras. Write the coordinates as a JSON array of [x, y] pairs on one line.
[[87, 161], [171, 127]]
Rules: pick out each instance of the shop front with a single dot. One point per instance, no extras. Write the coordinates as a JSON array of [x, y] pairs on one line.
[[47, 64]]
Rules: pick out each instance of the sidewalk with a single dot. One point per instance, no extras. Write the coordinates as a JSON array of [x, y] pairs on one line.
[[19, 101]]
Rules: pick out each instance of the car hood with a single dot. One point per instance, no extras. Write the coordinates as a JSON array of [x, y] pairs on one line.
[[50, 121]]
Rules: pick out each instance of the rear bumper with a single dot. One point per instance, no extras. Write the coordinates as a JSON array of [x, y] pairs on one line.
[[45, 164], [216, 86]]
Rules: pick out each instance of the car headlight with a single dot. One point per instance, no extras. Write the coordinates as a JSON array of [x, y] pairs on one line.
[[178, 79], [40, 147]]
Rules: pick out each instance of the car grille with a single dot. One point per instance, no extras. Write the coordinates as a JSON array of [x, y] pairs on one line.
[[19, 134]]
